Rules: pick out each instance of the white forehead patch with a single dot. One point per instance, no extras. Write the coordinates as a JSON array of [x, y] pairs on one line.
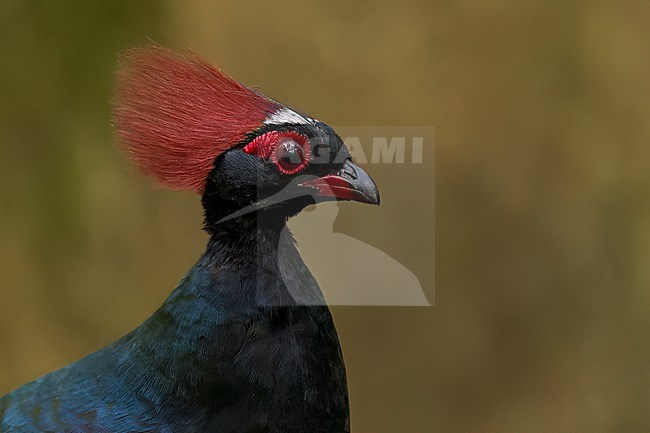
[[286, 115]]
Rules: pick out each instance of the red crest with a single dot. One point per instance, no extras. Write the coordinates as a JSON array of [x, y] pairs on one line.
[[175, 113]]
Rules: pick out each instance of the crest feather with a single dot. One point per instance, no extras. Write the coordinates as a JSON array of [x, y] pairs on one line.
[[175, 113]]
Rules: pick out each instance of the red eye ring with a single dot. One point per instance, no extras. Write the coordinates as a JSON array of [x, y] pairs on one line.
[[270, 145]]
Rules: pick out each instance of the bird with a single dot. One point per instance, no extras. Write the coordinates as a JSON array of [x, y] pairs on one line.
[[245, 343]]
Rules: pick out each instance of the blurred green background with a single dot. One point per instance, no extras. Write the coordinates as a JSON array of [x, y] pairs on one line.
[[541, 108]]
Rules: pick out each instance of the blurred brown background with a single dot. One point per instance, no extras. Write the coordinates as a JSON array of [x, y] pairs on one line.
[[541, 111]]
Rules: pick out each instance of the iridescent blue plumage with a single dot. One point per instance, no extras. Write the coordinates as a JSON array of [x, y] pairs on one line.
[[218, 356]]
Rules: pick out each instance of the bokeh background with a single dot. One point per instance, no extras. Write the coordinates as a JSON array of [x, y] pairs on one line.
[[541, 320]]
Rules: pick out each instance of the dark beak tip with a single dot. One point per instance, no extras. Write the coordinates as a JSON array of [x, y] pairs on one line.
[[372, 196], [370, 190], [377, 199]]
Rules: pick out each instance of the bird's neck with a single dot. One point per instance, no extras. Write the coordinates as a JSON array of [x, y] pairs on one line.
[[250, 277], [244, 238], [259, 248]]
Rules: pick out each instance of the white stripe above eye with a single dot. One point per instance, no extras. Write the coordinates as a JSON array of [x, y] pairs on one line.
[[285, 115]]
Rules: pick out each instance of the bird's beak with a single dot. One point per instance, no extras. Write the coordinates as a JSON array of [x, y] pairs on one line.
[[349, 183]]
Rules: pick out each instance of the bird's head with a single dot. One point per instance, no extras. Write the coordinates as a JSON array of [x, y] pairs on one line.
[[192, 127]]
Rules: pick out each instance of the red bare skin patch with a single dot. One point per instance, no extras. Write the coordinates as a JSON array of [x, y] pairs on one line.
[[175, 114]]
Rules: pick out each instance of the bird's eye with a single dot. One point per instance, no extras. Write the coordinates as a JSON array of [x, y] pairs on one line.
[[289, 156], [289, 151]]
